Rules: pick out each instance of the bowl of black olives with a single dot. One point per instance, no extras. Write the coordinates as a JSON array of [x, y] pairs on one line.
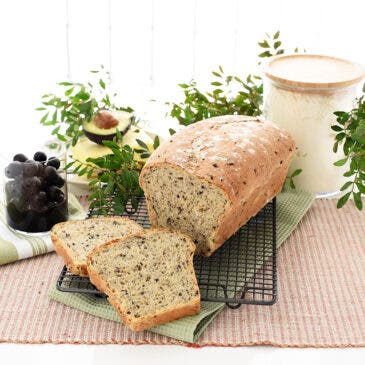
[[35, 193]]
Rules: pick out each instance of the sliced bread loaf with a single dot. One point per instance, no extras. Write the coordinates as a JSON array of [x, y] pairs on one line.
[[73, 240], [149, 277], [210, 178]]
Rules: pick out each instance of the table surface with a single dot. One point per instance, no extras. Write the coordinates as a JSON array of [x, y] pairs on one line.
[[172, 354]]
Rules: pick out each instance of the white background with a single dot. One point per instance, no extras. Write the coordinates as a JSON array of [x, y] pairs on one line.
[[149, 46]]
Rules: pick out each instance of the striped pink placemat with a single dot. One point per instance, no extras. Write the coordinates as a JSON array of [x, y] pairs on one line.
[[321, 296]]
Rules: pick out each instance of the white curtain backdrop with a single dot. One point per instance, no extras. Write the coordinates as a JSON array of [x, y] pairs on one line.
[[151, 45]]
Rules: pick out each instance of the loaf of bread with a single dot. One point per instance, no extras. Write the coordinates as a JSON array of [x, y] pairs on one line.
[[73, 240], [149, 277], [210, 178]]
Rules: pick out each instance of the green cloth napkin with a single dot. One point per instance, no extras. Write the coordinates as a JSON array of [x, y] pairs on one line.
[[291, 206], [17, 246]]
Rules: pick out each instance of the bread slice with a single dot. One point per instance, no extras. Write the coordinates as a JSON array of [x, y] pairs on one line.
[[149, 277], [73, 240]]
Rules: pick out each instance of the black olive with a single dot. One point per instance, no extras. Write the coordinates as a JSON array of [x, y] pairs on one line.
[[20, 157], [54, 162], [40, 156]]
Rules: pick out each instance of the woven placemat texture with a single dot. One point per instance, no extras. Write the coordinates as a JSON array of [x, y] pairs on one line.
[[290, 209], [321, 285]]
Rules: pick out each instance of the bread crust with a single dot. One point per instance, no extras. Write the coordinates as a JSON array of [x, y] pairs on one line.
[[63, 251], [161, 317], [74, 266], [247, 158]]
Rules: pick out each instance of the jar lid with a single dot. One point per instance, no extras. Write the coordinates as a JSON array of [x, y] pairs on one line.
[[313, 71]]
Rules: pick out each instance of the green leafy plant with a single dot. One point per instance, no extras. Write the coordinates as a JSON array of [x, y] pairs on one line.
[[350, 133], [230, 94], [113, 178], [78, 102], [271, 45], [221, 100]]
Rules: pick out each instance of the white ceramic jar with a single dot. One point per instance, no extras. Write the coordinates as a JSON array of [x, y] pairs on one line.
[[301, 93]]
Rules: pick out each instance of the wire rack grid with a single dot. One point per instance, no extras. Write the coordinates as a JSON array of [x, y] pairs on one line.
[[243, 270]]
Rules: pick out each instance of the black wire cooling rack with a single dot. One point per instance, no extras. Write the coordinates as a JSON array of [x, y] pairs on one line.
[[242, 271]]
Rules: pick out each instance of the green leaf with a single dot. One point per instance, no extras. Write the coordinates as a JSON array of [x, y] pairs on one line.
[[65, 83], [111, 144], [68, 92], [340, 136], [56, 130], [184, 86], [276, 35], [69, 165], [49, 122], [343, 200], [346, 185], [145, 155], [61, 138], [347, 146], [89, 174], [340, 113], [340, 162], [216, 83], [53, 145], [120, 135], [142, 144], [359, 134], [361, 188], [335, 147], [265, 54], [216, 74], [336, 128], [172, 131], [353, 165], [264, 44], [75, 139], [102, 84], [77, 168], [277, 44], [349, 173], [81, 96], [54, 116], [361, 162], [110, 186], [44, 118], [82, 171], [357, 200], [296, 172], [156, 142]]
